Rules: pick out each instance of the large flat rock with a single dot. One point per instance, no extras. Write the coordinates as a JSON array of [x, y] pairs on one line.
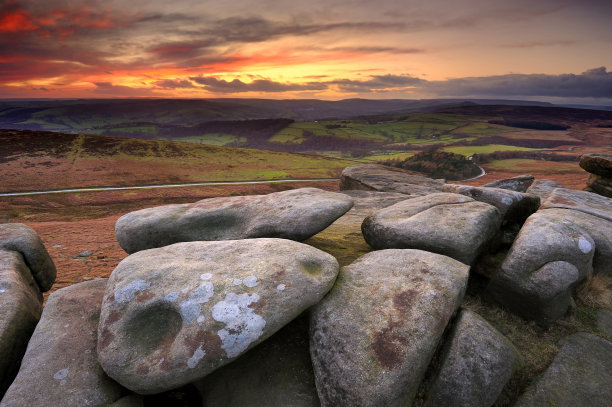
[[278, 372], [519, 183], [450, 224], [295, 214], [373, 336], [60, 367], [580, 375], [372, 177], [173, 315], [583, 201], [20, 309], [513, 206], [543, 188], [23, 239], [476, 364]]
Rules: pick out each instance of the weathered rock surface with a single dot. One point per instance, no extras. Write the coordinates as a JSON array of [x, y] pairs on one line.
[[477, 363], [61, 358], [278, 372], [23, 239], [582, 201], [373, 200], [295, 214], [20, 309], [373, 336], [549, 256], [580, 375], [173, 315], [600, 164], [600, 230], [450, 224], [372, 177], [513, 206], [600, 185], [518, 184], [604, 321], [543, 188]]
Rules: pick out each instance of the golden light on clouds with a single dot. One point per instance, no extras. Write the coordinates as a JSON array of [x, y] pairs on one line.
[[328, 49]]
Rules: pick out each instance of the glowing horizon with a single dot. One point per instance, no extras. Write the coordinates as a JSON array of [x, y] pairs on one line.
[[547, 50]]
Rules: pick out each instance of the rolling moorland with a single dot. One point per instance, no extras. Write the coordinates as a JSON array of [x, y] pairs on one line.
[[78, 228]]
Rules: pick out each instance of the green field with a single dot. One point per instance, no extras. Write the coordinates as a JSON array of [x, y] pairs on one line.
[[417, 128], [491, 148], [213, 139]]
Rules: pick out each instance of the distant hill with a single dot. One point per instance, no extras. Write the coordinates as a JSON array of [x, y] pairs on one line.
[[34, 160], [134, 115]]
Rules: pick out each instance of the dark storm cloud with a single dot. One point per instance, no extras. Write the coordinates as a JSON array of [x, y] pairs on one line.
[[378, 82], [260, 85], [595, 83], [174, 84]]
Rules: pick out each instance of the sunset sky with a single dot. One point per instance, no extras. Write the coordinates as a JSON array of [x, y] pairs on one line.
[[552, 50]]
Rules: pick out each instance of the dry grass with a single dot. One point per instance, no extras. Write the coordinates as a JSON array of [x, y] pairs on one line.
[[596, 291]]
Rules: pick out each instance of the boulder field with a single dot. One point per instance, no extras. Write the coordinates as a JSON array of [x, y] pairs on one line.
[[226, 302]]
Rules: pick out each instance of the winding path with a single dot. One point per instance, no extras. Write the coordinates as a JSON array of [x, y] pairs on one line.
[[193, 184]]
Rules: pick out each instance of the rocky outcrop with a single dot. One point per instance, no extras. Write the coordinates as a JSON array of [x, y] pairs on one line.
[[23, 239], [277, 372], [568, 238], [173, 315], [450, 224], [371, 177], [543, 188], [519, 184], [20, 309], [61, 356], [580, 375], [586, 202], [476, 364], [514, 207], [295, 214], [372, 337], [599, 167]]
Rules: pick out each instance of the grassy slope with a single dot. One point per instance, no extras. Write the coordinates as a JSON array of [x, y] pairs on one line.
[[40, 160]]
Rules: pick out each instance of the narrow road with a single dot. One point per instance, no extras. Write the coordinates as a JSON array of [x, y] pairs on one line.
[[193, 184], [482, 172]]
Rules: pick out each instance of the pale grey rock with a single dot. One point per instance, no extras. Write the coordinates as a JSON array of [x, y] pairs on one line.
[[549, 257], [450, 224], [278, 372], [600, 230], [85, 253], [519, 183], [295, 214], [600, 164], [374, 200], [372, 337], [60, 367], [20, 309], [372, 177], [23, 239], [583, 201], [477, 362], [543, 188], [173, 315], [580, 375], [513, 206]]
